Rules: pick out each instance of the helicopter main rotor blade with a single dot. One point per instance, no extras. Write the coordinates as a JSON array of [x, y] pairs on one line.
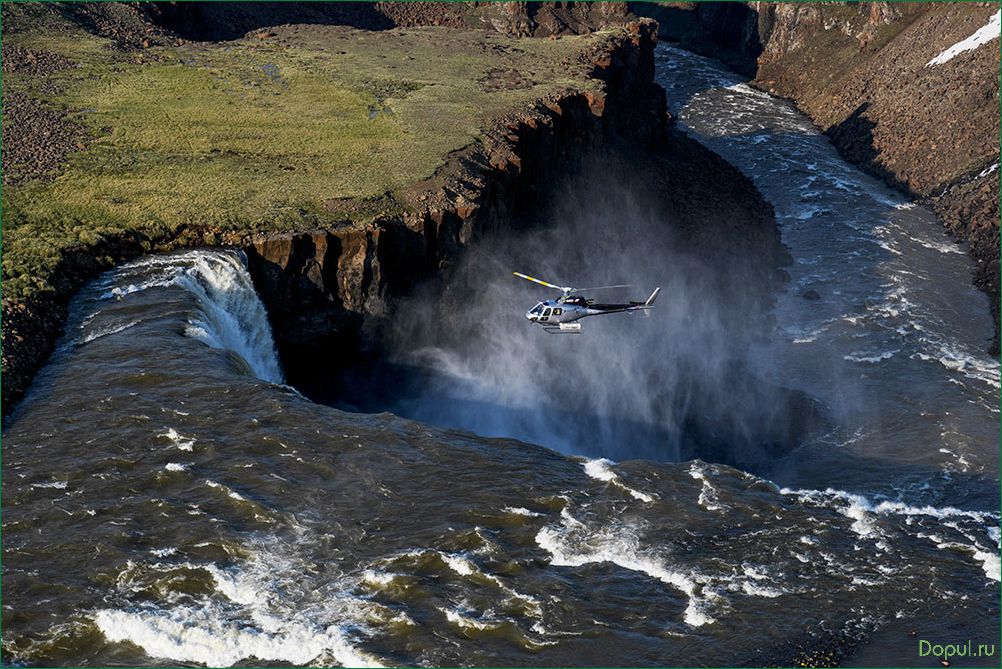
[[623, 285], [542, 283]]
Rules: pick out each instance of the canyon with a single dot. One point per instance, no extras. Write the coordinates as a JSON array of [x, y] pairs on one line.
[[866, 74], [333, 277]]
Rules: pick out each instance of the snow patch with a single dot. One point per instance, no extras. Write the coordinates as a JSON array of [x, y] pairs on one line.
[[983, 35]]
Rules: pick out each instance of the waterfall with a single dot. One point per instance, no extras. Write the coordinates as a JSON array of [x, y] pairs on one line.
[[230, 315], [228, 312]]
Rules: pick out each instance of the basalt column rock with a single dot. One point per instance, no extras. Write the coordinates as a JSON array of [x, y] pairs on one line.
[[329, 293]]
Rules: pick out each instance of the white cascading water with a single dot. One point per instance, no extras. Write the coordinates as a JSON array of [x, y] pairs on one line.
[[229, 315], [232, 315]]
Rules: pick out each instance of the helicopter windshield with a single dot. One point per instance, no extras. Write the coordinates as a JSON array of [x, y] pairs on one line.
[[538, 309]]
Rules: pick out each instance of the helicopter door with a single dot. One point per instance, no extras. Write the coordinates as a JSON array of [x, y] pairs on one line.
[[546, 314]]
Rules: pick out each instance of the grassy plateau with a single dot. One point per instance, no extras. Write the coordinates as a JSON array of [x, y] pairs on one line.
[[256, 135]]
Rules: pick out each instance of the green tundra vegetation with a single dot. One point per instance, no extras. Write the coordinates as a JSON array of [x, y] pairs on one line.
[[258, 134]]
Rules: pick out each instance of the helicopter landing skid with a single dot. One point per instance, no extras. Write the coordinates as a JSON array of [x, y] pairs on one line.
[[564, 328]]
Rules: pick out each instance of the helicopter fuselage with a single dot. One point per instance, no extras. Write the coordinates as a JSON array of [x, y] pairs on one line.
[[567, 310], [559, 315]]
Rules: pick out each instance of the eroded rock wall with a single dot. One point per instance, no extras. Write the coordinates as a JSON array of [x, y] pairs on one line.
[[329, 292]]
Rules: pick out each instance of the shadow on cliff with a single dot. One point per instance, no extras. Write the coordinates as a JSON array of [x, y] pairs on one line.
[[728, 31], [854, 138], [214, 21]]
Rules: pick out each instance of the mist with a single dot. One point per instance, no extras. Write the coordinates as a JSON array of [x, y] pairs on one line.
[[672, 385]]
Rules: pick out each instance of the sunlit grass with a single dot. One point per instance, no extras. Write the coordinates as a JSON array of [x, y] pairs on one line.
[[257, 136]]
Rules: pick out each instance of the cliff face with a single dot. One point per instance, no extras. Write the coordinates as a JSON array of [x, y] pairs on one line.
[[210, 20], [328, 289], [868, 74], [329, 292]]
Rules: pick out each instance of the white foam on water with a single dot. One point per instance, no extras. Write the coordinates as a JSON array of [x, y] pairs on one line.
[[756, 590], [708, 494], [864, 514], [460, 619], [110, 330], [938, 512], [182, 443], [601, 470], [378, 579], [232, 494], [261, 610], [460, 565], [745, 89], [981, 368], [941, 246], [163, 552], [58, 485], [755, 582], [465, 567], [193, 634], [571, 546], [991, 563], [855, 507], [175, 467], [871, 358], [983, 35], [520, 511]]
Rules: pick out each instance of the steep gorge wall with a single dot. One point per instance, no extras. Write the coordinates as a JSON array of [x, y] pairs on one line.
[[329, 292], [215, 21], [862, 73]]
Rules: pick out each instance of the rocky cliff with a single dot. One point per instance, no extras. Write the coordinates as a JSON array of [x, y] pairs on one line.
[[329, 292], [214, 21], [878, 78], [331, 280]]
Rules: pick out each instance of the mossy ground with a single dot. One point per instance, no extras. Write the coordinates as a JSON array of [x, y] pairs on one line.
[[258, 135]]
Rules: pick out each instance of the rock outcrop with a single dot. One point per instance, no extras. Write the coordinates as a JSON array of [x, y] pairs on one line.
[[866, 74], [215, 21], [328, 292]]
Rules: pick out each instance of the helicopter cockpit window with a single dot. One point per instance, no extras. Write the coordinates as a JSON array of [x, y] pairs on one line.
[[538, 309], [546, 312]]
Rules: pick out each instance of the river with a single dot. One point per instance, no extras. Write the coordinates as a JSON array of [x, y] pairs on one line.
[[167, 499]]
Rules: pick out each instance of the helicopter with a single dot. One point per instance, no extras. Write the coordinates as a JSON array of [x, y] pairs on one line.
[[560, 315]]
